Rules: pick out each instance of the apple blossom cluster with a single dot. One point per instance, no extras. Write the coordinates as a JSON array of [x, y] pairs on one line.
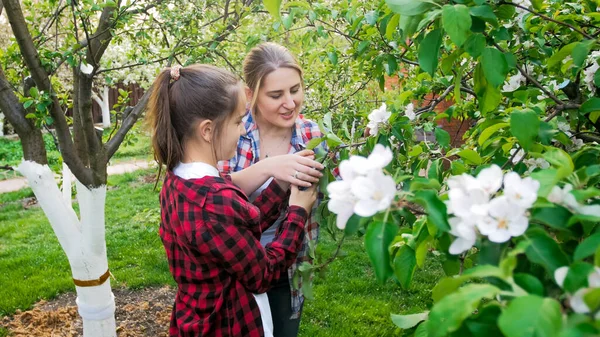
[[564, 197], [378, 117], [576, 300], [365, 189], [476, 207]]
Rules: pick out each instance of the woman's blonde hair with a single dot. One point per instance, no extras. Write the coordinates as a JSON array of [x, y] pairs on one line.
[[263, 60]]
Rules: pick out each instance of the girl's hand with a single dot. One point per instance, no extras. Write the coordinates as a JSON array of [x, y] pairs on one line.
[[298, 169], [305, 198]]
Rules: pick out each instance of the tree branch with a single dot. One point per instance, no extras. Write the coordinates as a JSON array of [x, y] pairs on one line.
[[549, 19], [39, 75], [112, 145], [31, 138], [436, 101]]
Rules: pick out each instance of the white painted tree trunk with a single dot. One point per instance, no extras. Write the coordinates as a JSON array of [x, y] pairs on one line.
[[66, 184], [83, 240], [103, 102]]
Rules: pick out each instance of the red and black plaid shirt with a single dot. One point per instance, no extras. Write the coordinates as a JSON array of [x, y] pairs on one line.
[[211, 235]]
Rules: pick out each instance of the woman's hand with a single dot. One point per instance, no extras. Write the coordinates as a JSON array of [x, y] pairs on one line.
[[305, 198], [298, 169]]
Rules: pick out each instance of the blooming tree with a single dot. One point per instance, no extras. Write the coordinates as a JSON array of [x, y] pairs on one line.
[[513, 209]]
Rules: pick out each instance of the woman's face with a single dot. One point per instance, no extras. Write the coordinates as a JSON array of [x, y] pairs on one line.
[[280, 97]]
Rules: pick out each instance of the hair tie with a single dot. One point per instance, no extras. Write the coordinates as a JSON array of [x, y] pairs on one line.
[[175, 72]]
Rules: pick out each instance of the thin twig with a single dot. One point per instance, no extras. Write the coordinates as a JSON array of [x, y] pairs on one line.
[[549, 19]]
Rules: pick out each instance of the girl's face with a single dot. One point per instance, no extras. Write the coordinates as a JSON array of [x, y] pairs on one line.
[[280, 97], [232, 130]]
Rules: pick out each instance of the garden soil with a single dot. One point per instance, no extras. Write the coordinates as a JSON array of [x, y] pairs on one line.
[[139, 313]]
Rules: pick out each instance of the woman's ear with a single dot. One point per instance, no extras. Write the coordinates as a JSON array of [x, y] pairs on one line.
[[249, 94], [205, 130]]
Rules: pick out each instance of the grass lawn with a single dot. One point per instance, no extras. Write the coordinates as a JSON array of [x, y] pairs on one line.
[[135, 146], [348, 301]]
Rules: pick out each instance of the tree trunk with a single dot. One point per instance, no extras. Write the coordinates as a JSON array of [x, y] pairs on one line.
[[83, 241]]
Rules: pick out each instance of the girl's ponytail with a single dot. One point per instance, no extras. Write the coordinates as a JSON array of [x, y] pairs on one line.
[[165, 141]]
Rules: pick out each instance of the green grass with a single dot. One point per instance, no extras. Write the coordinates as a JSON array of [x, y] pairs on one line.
[[135, 146], [348, 300]]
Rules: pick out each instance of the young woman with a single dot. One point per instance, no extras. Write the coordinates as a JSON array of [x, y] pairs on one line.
[[274, 127], [209, 229]]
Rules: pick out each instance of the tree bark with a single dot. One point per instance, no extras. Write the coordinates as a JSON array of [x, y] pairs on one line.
[[31, 137], [39, 75]]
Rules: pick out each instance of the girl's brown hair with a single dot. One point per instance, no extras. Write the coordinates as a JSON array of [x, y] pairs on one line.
[[264, 59], [178, 104]]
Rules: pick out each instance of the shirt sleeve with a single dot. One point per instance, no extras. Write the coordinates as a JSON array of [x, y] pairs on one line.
[[227, 239], [271, 203]]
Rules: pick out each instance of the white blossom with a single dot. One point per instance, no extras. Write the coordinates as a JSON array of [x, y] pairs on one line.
[[375, 192], [517, 157], [514, 83], [577, 144], [409, 112], [378, 117], [535, 163], [576, 300], [589, 73], [565, 198], [465, 235], [506, 220], [521, 192], [364, 189], [377, 160], [564, 127]]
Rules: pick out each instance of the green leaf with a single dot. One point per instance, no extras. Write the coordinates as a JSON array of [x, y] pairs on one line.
[[505, 12], [333, 57], [352, 225], [33, 92], [405, 263], [484, 12], [409, 7], [561, 160], [409, 321], [555, 217], [447, 315], [392, 65], [429, 50], [392, 26], [545, 251], [475, 45], [470, 156], [435, 208], [273, 7], [530, 284], [28, 103], [525, 125], [30, 116], [494, 66], [442, 137], [591, 105], [587, 247], [592, 299], [333, 141], [456, 22], [489, 131], [547, 178], [378, 238], [362, 47], [451, 266], [531, 316], [577, 276], [488, 96], [581, 51], [560, 55], [446, 286], [314, 143]]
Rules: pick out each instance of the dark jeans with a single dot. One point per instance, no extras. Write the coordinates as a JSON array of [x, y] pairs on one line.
[[280, 300]]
